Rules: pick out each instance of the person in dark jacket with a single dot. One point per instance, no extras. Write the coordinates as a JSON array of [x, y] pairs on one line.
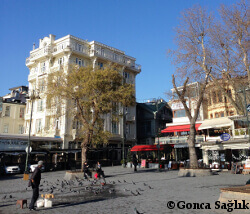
[[135, 163], [86, 170], [34, 183], [100, 171]]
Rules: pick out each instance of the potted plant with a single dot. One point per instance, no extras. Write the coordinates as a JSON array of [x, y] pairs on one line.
[[129, 159]]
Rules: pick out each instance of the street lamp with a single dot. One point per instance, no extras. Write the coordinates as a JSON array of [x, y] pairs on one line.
[[123, 139], [32, 97], [247, 109]]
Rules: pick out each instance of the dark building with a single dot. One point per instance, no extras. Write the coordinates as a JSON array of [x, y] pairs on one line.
[[152, 117]]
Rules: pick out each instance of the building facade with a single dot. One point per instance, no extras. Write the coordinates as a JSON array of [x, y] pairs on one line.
[[12, 111], [52, 55], [152, 117]]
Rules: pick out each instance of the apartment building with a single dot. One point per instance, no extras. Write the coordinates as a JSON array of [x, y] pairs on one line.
[[12, 111], [53, 54]]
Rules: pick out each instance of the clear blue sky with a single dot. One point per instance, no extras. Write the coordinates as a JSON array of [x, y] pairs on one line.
[[141, 28]]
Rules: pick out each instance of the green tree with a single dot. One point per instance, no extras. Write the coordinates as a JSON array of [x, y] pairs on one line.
[[87, 94]]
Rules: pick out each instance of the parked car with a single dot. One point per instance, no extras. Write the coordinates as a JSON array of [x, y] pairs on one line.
[[33, 166], [12, 169]]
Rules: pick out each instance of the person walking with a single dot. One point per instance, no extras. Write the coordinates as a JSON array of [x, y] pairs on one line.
[[100, 171], [86, 170], [34, 182], [135, 163]]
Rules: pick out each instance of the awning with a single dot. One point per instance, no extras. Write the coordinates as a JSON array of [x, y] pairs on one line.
[[140, 148], [180, 128], [216, 123]]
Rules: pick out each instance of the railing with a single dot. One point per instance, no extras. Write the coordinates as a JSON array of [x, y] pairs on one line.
[[240, 132], [176, 140], [31, 76], [108, 54]]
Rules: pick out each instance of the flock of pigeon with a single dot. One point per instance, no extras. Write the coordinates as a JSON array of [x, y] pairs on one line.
[[87, 187]]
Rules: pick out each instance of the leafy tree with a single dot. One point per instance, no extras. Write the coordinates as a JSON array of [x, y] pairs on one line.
[[87, 94]]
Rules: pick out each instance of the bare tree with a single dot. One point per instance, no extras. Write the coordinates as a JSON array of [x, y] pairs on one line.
[[230, 48], [193, 59]]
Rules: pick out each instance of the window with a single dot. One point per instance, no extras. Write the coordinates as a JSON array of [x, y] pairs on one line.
[[216, 115], [60, 61], [41, 85], [38, 125], [222, 114], [180, 113], [126, 75], [79, 47], [7, 111], [20, 129], [21, 115], [211, 116], [40, 105], [231, 113], [43, 67], [229, 94], [6, 128], [214, 97], [114, 127], [100, 64], [219, 96], [76, 60]]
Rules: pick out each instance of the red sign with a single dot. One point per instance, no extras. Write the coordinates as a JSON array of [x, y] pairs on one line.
[[143, 163]]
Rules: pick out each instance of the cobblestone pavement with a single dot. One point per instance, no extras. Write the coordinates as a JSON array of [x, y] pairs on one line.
[[147, 191]]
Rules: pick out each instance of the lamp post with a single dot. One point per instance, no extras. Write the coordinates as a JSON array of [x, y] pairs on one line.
[[123, 139], [32, 98], [247, 109]]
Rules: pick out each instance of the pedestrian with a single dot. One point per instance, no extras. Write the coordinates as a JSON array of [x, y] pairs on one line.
[[135, 163], [100, 172], [86, 170], [34, 182]]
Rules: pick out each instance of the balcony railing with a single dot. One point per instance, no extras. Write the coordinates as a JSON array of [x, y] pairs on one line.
[[176, 140], [240, 132]]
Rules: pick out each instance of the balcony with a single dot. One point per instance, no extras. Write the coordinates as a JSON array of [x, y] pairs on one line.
[[38, 53], [31, 76], [130, 117], [177, 140], [240, 133], [115, 55]]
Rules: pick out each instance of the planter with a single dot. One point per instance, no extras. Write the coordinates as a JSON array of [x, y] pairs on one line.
[[194, 172]]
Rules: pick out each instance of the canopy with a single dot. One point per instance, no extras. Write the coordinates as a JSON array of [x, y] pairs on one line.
[[180, 128], [140, 148], [216, 123]]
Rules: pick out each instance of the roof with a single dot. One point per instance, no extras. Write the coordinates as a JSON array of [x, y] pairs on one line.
[[144, 148], [216, 123]]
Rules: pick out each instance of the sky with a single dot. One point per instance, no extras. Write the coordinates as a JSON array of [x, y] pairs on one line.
[[144, 29]]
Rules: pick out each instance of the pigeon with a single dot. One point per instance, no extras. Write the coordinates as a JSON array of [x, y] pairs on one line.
[[133, 193], [140, 189], [150, 187], [10, 196], [4, 197], [144, 184], [119, 181], [133, 182], [138, 193], [125, 190], [51, 191], [136, 211], [124, 181]]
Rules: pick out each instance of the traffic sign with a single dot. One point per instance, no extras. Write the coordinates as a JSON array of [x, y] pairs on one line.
[[248, 107], [26, 149], [225, 137]]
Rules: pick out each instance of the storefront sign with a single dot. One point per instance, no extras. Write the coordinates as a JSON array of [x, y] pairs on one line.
[[143, 163], [9, 145], [225, 137], [178, 105]]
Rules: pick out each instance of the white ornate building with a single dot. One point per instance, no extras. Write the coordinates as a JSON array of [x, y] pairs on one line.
[[50, 56]]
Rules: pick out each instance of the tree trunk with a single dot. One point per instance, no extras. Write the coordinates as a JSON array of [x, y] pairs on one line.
[[191, 144], [84, 156]]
